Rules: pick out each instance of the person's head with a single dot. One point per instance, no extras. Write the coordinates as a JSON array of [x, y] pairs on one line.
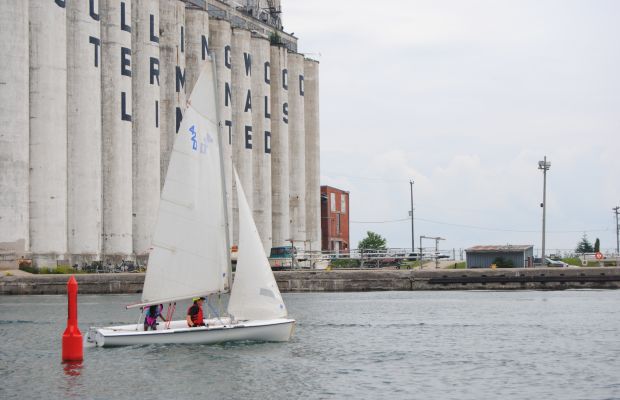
[[199, 300]]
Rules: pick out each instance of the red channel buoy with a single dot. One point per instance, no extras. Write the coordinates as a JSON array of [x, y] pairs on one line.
[[72, 345]]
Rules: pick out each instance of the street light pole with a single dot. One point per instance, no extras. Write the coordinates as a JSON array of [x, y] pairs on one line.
[[617, 231], [544, 166], [412, 230]]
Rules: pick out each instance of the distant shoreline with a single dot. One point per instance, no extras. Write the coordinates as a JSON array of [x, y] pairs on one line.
[[348, 280]]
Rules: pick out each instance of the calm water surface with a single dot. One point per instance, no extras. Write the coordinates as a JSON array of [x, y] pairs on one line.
[[381, 345]]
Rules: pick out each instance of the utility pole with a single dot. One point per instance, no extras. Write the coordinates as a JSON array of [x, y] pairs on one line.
[[617, 231], [544, 166], [412, 231]]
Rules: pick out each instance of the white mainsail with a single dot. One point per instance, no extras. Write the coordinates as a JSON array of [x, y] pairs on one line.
[[190, 249], [255, 294]]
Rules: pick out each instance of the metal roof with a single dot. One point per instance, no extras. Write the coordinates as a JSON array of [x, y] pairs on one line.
[[507, 248]]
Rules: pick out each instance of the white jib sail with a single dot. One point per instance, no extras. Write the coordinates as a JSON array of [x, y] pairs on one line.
[[255, 294], [190, 253]]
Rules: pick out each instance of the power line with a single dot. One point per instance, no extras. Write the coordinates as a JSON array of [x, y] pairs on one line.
[[366, 178], [381, 222], [477, 227]]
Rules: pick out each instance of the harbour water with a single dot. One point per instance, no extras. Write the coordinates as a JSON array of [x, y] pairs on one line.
[[377, 345]]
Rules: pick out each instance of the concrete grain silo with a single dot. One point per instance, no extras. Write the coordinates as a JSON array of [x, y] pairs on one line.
[[279, 146], [313, 186], [171, 75], [197, 45], [220, 48], [261, 138], [297, 144], [92, 95], [116, 117], [14, 132], [242, 132], [83, 131], [48, 132], [145, 122]]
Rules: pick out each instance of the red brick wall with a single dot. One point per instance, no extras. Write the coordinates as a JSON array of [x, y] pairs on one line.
[[330, 210]]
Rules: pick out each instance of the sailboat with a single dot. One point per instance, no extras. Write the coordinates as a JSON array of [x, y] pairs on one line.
[[190, 251]]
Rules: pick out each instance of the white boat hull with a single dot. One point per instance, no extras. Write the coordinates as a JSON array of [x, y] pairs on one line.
[[217, 331]]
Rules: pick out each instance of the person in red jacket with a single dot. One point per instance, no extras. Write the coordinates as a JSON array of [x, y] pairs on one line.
[[194, 313]]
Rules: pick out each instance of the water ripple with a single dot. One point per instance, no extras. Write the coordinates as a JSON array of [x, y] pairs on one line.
[[397, 345]]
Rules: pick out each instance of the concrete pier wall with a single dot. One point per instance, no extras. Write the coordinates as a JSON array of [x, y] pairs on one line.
[[350, 281], [483, 279], [57, 284]]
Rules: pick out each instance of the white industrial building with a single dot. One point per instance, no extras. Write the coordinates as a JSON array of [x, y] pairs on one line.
[[92, 93]]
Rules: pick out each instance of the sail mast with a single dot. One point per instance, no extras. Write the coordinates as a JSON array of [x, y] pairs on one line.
[[225, 199]]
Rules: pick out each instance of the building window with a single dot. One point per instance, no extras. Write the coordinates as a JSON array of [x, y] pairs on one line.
[[338, 224], [343, 203], [333, 202]]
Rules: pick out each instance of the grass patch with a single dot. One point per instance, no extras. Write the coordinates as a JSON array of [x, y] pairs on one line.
[[344, 263], [605, 263], [458, 265], [572, 261], [59, 270], [407, 265], [591, 263]]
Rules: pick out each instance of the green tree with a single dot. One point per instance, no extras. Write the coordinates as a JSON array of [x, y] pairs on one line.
[[373, 241], [584, 245], [597, 245]]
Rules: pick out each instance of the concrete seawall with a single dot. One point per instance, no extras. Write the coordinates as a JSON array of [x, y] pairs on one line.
[[473, 279], [57, 284], [350, 281]]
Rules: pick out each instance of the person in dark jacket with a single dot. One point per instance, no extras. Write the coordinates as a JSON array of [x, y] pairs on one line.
[[194, 313]]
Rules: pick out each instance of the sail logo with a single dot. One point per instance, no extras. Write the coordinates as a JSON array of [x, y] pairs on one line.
[[192, 130], [201, 146]]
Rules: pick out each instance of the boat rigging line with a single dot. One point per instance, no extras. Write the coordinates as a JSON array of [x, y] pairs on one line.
[[169, 313]]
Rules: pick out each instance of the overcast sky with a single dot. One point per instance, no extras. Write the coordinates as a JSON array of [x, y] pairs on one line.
[[465, 97]]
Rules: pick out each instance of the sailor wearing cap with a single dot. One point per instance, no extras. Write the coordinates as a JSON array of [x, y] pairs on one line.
[[194, 313]]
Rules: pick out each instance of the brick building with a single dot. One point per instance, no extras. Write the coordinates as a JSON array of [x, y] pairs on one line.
[[334, 219]]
